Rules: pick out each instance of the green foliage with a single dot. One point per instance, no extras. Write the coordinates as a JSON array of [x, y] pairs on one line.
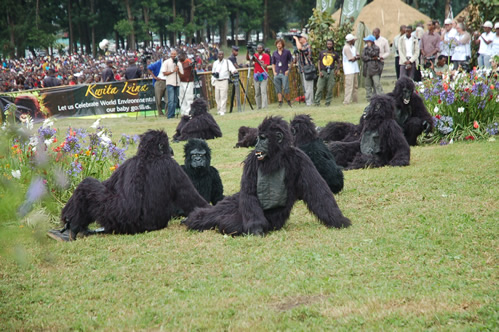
[[124, 27]]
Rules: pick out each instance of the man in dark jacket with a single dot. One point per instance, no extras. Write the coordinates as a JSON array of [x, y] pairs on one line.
[[108, 74], [372, 68], [132, 71], [50, 80]]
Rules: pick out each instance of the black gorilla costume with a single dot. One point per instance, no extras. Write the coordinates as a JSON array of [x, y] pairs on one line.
[[307, 140], [246, 137], [410, 112], [199, 123], [341, 131], [381, 143], [204, 177], [141, 195], [275, 176]]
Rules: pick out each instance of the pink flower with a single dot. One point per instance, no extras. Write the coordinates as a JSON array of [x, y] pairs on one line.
[[475, 124]]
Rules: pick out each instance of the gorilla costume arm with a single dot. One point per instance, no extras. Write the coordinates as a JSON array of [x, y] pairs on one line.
[[178, 132], [397, 151], [246, 137], [217, 191]]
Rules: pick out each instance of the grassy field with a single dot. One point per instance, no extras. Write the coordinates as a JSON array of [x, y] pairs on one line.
[[422, 254]]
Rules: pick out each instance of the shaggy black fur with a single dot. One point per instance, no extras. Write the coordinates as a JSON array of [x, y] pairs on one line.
[[246, 137], [341, 131], [243, 213], [391, 148], [199, 123], [140, 195], [307, 140], [205, 178], [410, 112]]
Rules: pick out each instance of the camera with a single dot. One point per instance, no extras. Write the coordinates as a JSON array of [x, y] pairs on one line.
[[428, 61], [251, 48], [234, 77], [215, 74]]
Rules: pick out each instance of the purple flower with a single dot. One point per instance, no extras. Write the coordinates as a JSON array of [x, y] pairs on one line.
[[76, 169], [72, 145]]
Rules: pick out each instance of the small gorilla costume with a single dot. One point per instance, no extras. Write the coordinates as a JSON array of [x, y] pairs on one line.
[[307, 140], [204, 177], [246, 137], [410, 112], [141, 195], [381, 143], [199, 123], [341, 131], [275, 176]]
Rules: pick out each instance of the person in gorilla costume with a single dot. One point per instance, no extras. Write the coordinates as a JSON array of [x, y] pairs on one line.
[[275, 176], [410, 112], [198, 124], [307, 140], [246, 137], [141, 195], [381, 142], [341, 131], [204, 177]]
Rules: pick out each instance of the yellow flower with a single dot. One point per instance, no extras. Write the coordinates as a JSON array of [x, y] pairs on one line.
[[7, 166], [112, 168], [76, 155], [88, 153]]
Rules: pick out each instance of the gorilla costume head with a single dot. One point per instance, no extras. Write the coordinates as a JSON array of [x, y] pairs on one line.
[[153, 144], [303, 129], [404, 88], [274, 138], [198, 107], [380, 108], [197, 154]]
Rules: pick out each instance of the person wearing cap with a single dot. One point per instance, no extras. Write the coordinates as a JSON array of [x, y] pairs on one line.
[[485, 42], [108, 74], [282, 61], [233, 56], [159, 85], [305, 58], [396, 49], [133, 71], [328, 60], [372, 67], [408, 53], [447, 38], [494, 49], [350, 69]]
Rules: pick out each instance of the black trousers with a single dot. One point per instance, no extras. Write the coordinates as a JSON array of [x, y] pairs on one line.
[[397, 66]]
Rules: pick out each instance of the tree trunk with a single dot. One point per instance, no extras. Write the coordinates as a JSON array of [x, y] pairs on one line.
[[237, 29], [10, 23], [37, 15], [223, 33], [92, 31], [265, 20], [130, 20], [146, 21], [447, 8], [174, 15], [208, 33], [70, 21], [416, 4], [232, 28]]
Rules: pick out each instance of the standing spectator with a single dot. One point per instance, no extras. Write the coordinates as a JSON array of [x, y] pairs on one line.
[[108, 73], [461, 54], [220, 80], [260, 77], [133, 71], [372, 67], [430, 45], [494, 50], [305, 58], [408, 53], [351, 69], [384, 46], [281, 63], [328, 60], [186, 84], [169, 71], [485, 42], [159, 84], [447, 39], [233, 56], [50, 80], [396, 49]]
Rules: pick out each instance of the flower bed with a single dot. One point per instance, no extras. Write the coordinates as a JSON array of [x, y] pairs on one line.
[[465, 106]]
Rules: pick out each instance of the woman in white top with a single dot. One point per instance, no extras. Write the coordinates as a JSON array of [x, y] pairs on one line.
[[494, 49], [462, 51]]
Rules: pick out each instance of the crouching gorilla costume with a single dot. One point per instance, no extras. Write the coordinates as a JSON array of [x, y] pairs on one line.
[[141, 195], [275, 176], [204, 177], [307, 140], [341, 131], [410, 112], [246, 137], [381, 143], [198, 124]]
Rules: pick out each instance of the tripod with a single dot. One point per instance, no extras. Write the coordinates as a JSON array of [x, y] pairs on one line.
[[236, 84]]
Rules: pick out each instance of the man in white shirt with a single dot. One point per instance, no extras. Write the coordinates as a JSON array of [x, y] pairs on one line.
[[448, 38], [408, 53], [169, 72], [485, 42], [220, 75], [351, 69], [396, 49]]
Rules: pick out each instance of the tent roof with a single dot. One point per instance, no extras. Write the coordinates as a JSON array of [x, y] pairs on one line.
[[387, 15]]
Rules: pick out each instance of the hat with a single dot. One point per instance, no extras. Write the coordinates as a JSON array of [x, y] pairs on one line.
[[235, 48], [496, 26], [350, 37], [448, 21], [370, 38], [487, 24]]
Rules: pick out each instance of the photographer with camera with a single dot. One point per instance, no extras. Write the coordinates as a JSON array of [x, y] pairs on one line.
[[220, 75], [169, 72], [408, 53], [281, 63], [328, 60], [186, 84], [430, 45], [306, 67], [260, 76]]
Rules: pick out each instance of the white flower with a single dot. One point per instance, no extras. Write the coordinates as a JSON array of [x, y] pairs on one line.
[[460, 110], [435, 110], [451, 67], [431, 75], [451, 141], [95, 124], [105, 140], [49, 141], [48, 122], [16, 174]]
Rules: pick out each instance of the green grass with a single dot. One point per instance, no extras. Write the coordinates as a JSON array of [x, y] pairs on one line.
[[422, 254]]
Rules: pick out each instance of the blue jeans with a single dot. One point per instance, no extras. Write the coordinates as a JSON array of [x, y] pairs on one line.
[[172, 100]]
